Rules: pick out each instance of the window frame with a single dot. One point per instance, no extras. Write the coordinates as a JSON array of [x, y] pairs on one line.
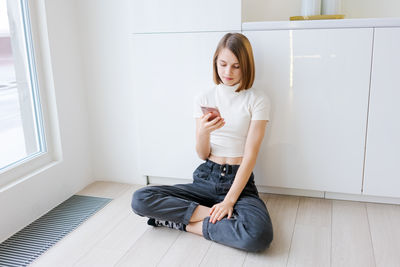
[[30, 166]]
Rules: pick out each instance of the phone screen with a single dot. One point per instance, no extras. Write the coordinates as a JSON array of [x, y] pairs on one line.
[[214, 112]]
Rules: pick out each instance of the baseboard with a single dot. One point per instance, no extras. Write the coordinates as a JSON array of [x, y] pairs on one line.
[[153, 180], [362, 198], [290, 191]]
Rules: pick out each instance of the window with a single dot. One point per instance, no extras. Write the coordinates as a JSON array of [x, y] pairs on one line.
[[23, 138], [21, 130]]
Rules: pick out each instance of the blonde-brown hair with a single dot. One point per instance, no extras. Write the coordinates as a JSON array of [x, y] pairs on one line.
[[240, 46]]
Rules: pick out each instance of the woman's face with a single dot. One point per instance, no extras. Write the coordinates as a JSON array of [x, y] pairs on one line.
[[228, 67]]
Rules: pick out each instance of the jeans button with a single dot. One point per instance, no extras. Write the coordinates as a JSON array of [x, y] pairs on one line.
[[222, 174]]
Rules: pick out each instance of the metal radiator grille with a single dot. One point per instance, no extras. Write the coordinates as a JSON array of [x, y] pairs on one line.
[[25, 246]]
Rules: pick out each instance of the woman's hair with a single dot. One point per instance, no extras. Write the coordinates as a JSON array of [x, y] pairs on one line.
[[241, 48]]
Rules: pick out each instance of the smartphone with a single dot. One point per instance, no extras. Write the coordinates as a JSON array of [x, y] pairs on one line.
[[214, 112]]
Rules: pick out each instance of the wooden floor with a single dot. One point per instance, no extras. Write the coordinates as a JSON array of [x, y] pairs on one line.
[[307, 232]]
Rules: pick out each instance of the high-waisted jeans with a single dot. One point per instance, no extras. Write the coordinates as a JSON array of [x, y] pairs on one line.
[[250, 226]]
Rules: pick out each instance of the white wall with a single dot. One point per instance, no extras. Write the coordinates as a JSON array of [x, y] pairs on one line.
[[263, 10], [371, 8], [106, 28], [32, 198]]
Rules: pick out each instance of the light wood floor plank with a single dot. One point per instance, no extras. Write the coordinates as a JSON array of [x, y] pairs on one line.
[[125, 234], [311, 243], [78, 243], [100, 257], [118, 241], [223, 256], [264, 196], [384, 223], [351, 239], [150, 247], [283, 210], [188, 250], [104, 189]]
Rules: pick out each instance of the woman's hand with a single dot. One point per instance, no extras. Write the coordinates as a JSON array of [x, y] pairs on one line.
[[208, 126], [218, 211], [203, 130]]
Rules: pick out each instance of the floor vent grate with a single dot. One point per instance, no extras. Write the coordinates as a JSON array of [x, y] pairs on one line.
[[25, 246]]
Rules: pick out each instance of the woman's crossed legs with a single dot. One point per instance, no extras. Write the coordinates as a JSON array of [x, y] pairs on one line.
[[249, 228]]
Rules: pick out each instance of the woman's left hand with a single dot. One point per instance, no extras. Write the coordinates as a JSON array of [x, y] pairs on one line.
[[218, 211]]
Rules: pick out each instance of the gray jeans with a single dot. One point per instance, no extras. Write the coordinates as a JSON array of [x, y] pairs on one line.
[[250, 226]]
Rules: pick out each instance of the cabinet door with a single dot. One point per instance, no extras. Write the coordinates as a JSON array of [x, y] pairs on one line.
[[382, 175], [318, 82], [169, 70], [186, 16]]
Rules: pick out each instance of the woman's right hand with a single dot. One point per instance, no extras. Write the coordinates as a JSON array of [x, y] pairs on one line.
[[207, 127]]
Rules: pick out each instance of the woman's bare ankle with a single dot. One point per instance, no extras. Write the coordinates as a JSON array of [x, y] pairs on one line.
[[200, 213], [195, 227]]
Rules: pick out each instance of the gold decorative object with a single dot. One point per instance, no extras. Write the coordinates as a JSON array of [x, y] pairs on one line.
[[316, 17]]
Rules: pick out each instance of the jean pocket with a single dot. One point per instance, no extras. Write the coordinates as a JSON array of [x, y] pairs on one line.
[[201, 173]]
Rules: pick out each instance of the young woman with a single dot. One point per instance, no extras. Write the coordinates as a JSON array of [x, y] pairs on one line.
[[222, 204]]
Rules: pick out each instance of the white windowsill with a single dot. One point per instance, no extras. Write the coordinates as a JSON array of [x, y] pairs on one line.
[[24, 173]]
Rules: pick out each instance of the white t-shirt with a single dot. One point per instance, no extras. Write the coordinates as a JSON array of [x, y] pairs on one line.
[[237, 109]]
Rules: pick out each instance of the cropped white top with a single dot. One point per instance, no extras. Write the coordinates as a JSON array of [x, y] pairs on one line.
[[237, 109]]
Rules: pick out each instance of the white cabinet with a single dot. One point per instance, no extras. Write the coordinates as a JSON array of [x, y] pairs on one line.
[[186, 16], [382, 175], [169, 70], [318, 82]]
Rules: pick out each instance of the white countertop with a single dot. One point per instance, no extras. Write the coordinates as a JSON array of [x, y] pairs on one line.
[[321, 24]]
